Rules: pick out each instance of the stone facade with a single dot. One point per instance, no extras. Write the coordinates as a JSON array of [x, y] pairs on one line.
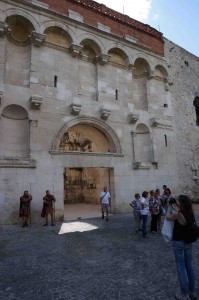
[[85, 104]]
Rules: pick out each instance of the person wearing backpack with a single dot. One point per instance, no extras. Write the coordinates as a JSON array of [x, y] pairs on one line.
[[182, 214]]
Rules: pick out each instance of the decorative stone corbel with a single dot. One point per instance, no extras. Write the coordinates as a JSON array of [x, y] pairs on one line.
[[151, 75], [38, 38], [2, 29], [133, 118], [75, 108], [105, 113], [33, 123], [103, 59], [75, 49], [35, 101], [158, 123], [130, 67]]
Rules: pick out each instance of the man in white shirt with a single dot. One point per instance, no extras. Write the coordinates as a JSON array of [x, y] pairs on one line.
[[105, 199]]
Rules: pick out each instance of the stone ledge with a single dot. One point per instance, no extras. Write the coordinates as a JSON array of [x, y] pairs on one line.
[[160, 123], [138, 165], [12, 162], [108, 154]]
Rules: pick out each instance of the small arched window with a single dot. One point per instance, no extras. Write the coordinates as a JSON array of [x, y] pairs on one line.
[[196, 104]]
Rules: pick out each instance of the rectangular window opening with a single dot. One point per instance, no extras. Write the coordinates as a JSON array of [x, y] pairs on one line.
[[165, 139], [55, 81], [116, 94]]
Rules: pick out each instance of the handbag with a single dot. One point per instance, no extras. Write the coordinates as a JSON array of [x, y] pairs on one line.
[[167, 230]]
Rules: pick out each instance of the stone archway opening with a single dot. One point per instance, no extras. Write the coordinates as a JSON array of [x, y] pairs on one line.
[[82, 188]]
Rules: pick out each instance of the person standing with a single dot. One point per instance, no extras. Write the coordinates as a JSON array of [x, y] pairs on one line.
[[105, 199], [154, 206], [144, 212], [24, 208], [48, 207], [136, 204], [183, 217], [160, 208]]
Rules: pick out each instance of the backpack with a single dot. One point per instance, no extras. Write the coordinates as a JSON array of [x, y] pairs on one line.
[[191, 232]]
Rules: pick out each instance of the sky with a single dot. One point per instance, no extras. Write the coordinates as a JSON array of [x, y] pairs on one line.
[[178, 20]]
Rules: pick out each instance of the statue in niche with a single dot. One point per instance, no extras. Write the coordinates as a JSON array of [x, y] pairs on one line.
[[76, 141]]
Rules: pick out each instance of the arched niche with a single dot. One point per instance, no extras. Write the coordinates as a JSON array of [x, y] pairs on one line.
[[141, 71], [142, 142], [57, 36], [90, 129], [118, 57], [90, 49], [18, 51], [87, 68], [160, 73], [20, 28], [196, 105], [14, 132]]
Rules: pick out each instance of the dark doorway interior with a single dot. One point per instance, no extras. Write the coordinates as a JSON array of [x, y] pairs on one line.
[[83, 185], [82, 188]]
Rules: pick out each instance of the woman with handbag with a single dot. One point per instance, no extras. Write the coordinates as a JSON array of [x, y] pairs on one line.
[[182, 215]]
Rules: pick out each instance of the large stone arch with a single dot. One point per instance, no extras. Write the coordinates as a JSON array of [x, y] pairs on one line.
[[144, 57], [21, 12], [162, 69], [93, 38], [98, 124], [51, 23], [121, 47]]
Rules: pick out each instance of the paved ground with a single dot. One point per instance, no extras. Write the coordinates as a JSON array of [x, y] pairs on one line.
[[108, 262]]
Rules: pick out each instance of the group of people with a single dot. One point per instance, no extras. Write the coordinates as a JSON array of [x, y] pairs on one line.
[[25, 208], [150, 203], [179, 211]]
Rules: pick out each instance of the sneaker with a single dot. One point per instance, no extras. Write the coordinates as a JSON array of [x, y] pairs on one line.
[[45, 224], [193, 297], [181, 297]]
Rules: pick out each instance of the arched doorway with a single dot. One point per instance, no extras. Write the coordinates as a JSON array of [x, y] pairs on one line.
[[90, 148]]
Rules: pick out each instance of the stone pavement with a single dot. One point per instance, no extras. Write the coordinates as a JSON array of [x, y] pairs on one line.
[[108, 262]]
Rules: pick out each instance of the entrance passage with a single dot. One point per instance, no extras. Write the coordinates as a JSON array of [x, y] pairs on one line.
[[82, 188]]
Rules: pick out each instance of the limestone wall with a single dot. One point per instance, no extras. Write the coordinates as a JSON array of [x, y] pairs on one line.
[[184, 74], [84, 81]]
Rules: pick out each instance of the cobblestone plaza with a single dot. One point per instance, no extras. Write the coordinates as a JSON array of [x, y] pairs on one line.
[[106, 261]]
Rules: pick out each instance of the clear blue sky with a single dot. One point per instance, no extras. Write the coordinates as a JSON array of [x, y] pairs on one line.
[[178, 20]]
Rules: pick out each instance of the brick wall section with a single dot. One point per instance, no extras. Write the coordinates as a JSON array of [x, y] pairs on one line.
[[120, 24]]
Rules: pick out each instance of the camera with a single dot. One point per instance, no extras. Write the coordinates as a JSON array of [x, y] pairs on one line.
[[172, 201]]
